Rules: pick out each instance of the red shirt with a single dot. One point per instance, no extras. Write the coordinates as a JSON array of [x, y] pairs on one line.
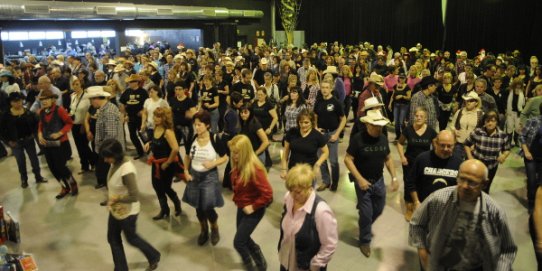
[[257, 192], [63, 114]]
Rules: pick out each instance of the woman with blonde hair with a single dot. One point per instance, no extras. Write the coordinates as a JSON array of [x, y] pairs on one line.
[[311, 87], [165, 161], [308, 228], [252, 193]]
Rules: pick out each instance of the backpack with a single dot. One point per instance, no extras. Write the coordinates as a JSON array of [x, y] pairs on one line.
[[536, 145]]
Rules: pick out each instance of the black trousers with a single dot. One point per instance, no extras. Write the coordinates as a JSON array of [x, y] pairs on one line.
[[102, 168], [163, 189], [86, 157], [56, 158], [246, 224], [134, 124]]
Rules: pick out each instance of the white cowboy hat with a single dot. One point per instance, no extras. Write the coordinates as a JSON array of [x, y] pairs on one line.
[[331, 69], [111, 62], [264, 61], [377, 79], [371, 103], [119, 68], [96, 91], [472, 95], [375, 117]]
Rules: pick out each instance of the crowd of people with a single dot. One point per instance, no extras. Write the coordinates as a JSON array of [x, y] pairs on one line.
[[458, 118]]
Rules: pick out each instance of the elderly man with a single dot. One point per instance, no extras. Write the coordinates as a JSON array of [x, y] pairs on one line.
[[427, 100], [45, 83], [366, 156], [433, 169], [488, 102], [99, 78], [462, 228]]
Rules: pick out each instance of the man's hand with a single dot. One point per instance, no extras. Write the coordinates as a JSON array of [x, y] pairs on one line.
[[364, 185]]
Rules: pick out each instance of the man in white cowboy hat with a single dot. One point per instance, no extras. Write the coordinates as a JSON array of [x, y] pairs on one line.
[[258, 76], [366, 156], [373, 89], [120, 75], [108, 126], [338, 83], [427, 100]]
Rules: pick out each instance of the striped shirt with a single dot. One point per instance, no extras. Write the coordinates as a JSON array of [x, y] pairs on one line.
[[433, 221], [529, 130], [108, 125], [487, 148]]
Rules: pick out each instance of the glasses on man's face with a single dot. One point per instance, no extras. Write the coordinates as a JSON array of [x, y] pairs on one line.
[[470, 183]]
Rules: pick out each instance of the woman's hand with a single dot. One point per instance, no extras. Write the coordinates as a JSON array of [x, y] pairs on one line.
[[56, 135], [268, 131], [394, 185], [188, 177], [165, 165], [90, 136], [41, 139], [283, 174], [209, 164], [404, 161], [147, 147], [248, 210]]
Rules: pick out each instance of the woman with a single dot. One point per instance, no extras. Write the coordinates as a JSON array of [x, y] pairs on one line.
[[418, 138], [311, 87], [83, 78], [79, 106], [252, 193], [400, 102], [53, 129], [446, 95], [223, 89], [165, 161], [123, 204], [301, 145], [488, 144], [18, 129], [210, 101], [514, 106], [266, 113], [294, 105], [466, 88], [116, 90], [251, 127], [154, 75], [203, 189], [535, 80], [308, 226], [347, 76], [7, 82], [357, 86], [465, 121], [151, 104]]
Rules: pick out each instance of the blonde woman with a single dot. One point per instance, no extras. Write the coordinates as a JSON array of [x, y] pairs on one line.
[[251, 194], [311, 87]]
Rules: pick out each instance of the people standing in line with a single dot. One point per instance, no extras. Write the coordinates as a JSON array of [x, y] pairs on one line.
[[366, 156], [465, 120], [203, 188], [131, 105], [154, 101], [330, 122], [418, 137], [18, 130], [461, 227], [252, 193], [78, 109], [308, 227], [124, 206], [165, 161], [488, 144], [399, 102], [53, 128]]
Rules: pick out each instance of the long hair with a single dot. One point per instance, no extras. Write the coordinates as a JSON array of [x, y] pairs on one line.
[[247, 161], [165, 114]]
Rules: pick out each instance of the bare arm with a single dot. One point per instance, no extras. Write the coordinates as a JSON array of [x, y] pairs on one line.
[[284, 159], [274, 116], [264, 139], [391, 170]]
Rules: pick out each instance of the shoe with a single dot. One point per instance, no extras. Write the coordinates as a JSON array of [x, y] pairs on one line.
[[365, 250], [24, 184], [161, 215], [178, 210], [204, 234], [41, 180], [98, 186], [333, 188], [73, 186], [409, 211], [322, 187], [139, 156], [63, 192], [103, 203], [215, 235], [259, 259], [153, 265]]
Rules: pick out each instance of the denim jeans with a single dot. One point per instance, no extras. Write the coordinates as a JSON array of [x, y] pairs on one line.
[[28, 145], [246, 224], [215, 116], [400, 113], [333, 160], [128, 226], [86, 156], [533, 170], [370, 205], [184, 133], [163, 189]]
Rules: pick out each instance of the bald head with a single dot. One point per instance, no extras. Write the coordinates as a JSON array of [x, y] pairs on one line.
[[444, 144], [44, 82], [476, 167], [471, 179]]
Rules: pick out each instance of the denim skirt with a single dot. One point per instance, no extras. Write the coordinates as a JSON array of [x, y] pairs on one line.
[[204, 191]]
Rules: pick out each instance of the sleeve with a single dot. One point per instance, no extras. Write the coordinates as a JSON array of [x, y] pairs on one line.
[[124, 98], [524, 116], [418, 227], [326, 224], [507, 144], [340, 109], [353, 147], [472, 138], [525, 132], [146, 104], [40, 124], [508, 248], [68, 122], [130, 181], [266, 192]]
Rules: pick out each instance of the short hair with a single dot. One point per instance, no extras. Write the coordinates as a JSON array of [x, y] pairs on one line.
[[203, 116], [245, 72], [157, 89], [111, 148], [236, 97], [306, 113], [182, 84], [490, 115], [262, 89], [480, 79], [165, 114], [299, 176]]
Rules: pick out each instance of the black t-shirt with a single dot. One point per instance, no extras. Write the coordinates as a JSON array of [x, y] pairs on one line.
[[156, 78], [245, 89], [446, 96], [222, 97], [417, 144], [250, 129], [430, 173], [262, 113], [329, 113], [304, 149], [133, 101], [259, 76], [179, 108], [208, 97], [369, 155]]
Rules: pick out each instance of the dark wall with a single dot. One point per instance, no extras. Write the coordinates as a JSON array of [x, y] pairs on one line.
[[496, 25]]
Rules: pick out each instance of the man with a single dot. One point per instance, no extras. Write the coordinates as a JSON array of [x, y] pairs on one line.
[[531, 107], [531, 135], [45, 83], [427, 100], [244, 87], [462, 228], [330, 122], [488, 74], [258, 78], [434, 169], [108, 126], [63, 84], [99, 78], [366, 156], [488, 102], [302, 72], [373, 89], [131, 104], [510, 73]]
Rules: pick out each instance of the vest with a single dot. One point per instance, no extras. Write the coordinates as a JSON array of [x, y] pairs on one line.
[[53, 126]]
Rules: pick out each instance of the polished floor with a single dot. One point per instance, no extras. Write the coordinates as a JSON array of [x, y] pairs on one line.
[[70, 234]]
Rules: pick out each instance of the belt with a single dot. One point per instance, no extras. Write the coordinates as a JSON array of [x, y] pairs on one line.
[[328, 130]]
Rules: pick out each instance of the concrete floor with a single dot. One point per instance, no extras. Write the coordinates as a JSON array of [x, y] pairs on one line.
[[70, 234]]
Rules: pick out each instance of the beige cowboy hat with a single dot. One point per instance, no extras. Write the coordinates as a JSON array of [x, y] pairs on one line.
[[375, 117], [472, 95], [371, 103], [376, 78], [331, 69], [119, 68], [96, 91], [133, 77]]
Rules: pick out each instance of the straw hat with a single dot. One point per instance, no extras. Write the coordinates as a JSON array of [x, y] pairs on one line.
[[133, 77], [375, 117], [376, 78], [96, 91], [119, 68], [154, 65], [264, 61], [371, 103], [331, 69]]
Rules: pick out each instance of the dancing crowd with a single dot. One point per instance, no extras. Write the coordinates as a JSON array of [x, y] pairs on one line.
[[453, 120]]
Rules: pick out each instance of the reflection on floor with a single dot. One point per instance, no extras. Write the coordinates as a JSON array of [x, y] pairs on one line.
[[70, 234]]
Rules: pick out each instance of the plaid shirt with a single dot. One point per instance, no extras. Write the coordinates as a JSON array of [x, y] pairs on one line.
[[108, 125], [529, 130], [291, 113], [433, 221], [487, 148], [428, 102]]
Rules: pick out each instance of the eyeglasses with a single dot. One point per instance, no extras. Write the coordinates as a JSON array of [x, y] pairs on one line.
[[470, 183]]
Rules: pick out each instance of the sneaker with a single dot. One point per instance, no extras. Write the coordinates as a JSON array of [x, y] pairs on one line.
[[365, 250], [322, 187], [41, 180], [24, 184], [63, 192]]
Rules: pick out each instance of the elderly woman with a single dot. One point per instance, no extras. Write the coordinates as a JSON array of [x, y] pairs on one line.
[[124, 206], [465, 121], [308, 226]]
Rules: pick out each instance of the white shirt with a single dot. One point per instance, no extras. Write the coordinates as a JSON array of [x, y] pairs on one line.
[[118, 189], [150, 105], [78, 108], [200, 154]]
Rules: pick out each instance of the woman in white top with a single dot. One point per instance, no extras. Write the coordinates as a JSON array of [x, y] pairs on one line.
[[7, 82], [465, 121], [203, 188], [123, 204], [154, 101], [79, 105]]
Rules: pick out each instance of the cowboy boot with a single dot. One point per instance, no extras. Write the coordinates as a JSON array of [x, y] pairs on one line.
[[73, 186], [215, 235], [259, 259], [204, 235]]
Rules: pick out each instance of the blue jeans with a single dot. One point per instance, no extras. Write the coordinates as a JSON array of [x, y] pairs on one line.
[[333, 160], [215, 116], [29, 146], [400, 112], [128, 226], [246, 224], [370, 205], [532, 169]]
